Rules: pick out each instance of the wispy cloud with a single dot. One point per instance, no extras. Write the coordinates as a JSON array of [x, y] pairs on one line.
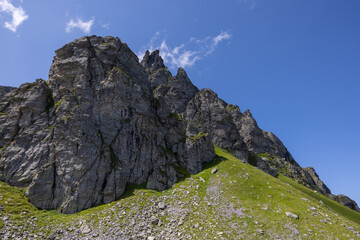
[[106, 26], [18, 15], [82, 25], [251, 3], [186, 54], [218, 39]]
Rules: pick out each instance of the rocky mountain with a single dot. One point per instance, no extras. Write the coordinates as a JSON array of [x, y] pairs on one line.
[[4, 90], [104, 120]]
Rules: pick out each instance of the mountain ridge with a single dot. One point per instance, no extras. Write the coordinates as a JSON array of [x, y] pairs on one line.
[[104, 119]]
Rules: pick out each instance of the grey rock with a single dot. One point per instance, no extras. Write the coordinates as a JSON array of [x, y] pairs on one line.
[[195, 152], [85, 229], [161, 205], [313, 209], [4, 90], [177, 92], [152, 61], [154, 65], [154, 220], [79, 139], [318, 183], [214, 170], [346, 201], [207, 113], [292, 215]]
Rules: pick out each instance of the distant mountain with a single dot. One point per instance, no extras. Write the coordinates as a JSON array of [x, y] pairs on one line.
[[103, 121]]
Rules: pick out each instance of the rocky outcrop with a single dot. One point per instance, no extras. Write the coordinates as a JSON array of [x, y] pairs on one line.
[[346, 201], [4, 90], [206, 113], [104, 120], [78, 139], [318, 183]]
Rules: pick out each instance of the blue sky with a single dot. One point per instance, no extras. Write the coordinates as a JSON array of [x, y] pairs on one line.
[[294, 63]]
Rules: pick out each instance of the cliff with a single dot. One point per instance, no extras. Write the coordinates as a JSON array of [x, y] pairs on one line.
[[104, 120]]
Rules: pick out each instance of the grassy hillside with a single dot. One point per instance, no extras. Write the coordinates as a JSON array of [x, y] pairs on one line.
[[237, 202], [335, 206]]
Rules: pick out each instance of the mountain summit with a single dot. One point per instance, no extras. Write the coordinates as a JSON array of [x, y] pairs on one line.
[[104, 120]]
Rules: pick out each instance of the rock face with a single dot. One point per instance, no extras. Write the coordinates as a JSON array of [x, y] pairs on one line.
[[104, 120], [5, 90], [318, 183], [78, 139]]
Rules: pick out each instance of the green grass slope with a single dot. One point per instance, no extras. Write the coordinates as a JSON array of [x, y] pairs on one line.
[[237, 202]]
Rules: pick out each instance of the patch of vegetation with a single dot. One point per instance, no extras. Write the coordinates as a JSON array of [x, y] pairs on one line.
[[267, 155], [4, 147], [4, 114], [283, 167], [176, 115], [199, 121], [196, 137], [117, 69], [67, 117], [158, 70], [73, 92], [58, 103], [231, 107], [30, 86]]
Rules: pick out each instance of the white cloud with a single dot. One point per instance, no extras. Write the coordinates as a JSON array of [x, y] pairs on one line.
[[186, 54], [221, 37], [216, 40], [82, 25], [17, 13]]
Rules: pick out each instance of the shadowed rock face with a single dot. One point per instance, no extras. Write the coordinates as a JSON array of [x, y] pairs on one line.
[[5, 90], [103, 120]]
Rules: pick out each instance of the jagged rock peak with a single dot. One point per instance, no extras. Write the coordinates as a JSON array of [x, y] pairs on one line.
[[182, 73], [175, 91], [247, 113], [152, 61]]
